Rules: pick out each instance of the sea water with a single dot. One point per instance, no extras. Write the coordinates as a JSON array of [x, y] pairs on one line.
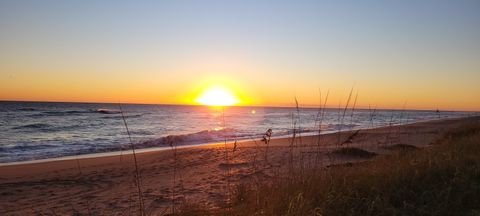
[[39, 130]]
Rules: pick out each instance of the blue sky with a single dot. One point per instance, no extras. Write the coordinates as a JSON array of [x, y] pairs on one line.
[[399, 47]]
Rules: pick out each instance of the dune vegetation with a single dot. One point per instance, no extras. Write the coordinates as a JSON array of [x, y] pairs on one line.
[[442, 179]]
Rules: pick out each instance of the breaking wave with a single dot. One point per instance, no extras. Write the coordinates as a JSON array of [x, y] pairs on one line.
[[204, 136], [210, 136]]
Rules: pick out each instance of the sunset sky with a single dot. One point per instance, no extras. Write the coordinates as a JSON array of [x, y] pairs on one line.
[[424, 53]]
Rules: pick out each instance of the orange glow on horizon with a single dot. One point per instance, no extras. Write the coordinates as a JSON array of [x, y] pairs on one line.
[[146, 56], [246, 92]]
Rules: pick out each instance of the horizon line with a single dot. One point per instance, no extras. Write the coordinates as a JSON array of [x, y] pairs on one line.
[[261, 106]]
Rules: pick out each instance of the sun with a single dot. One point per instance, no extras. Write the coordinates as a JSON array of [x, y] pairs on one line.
[[217, 96]]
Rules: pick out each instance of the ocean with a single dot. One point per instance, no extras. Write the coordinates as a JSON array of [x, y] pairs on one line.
[[41, 130]]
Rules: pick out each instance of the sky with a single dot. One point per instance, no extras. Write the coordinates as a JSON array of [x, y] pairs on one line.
[[425, 54]]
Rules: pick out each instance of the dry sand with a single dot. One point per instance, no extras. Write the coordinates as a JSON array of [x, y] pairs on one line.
[[106, 185]]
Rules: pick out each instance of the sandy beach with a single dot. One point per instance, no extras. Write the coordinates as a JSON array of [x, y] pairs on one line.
[[203, 174]]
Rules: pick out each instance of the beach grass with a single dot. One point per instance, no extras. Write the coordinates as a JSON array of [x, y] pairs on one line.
[[443, 179]]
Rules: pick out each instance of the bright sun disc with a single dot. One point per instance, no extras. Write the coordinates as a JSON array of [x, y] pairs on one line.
[[217, 96]]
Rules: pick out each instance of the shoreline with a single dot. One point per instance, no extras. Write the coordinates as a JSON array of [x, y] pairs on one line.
[[106, 183], [118, 153]]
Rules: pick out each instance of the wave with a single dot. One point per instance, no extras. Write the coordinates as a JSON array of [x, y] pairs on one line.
[[59, 113], [42, 127], [73, 112], [67, 112], [204, 136], [209, 136], [142, 132], [108, 111], [120, 117], [27, 109], [33, 126], [32, 147]]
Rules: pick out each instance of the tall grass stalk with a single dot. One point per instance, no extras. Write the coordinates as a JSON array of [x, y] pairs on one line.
[[320, 117], [302, 162], [254, 168], [402, 113], [339, 117], [137, 173], [298, 123], [234, 150], [400, 119], [174, 149], [78, 165], [79, 168], [351, 117], [319, 125], [388, 137], [292, 144], [343, 115], [227, 160], [372, 113], [353, 109], [319, 110], [266, 139], [254, 156]]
